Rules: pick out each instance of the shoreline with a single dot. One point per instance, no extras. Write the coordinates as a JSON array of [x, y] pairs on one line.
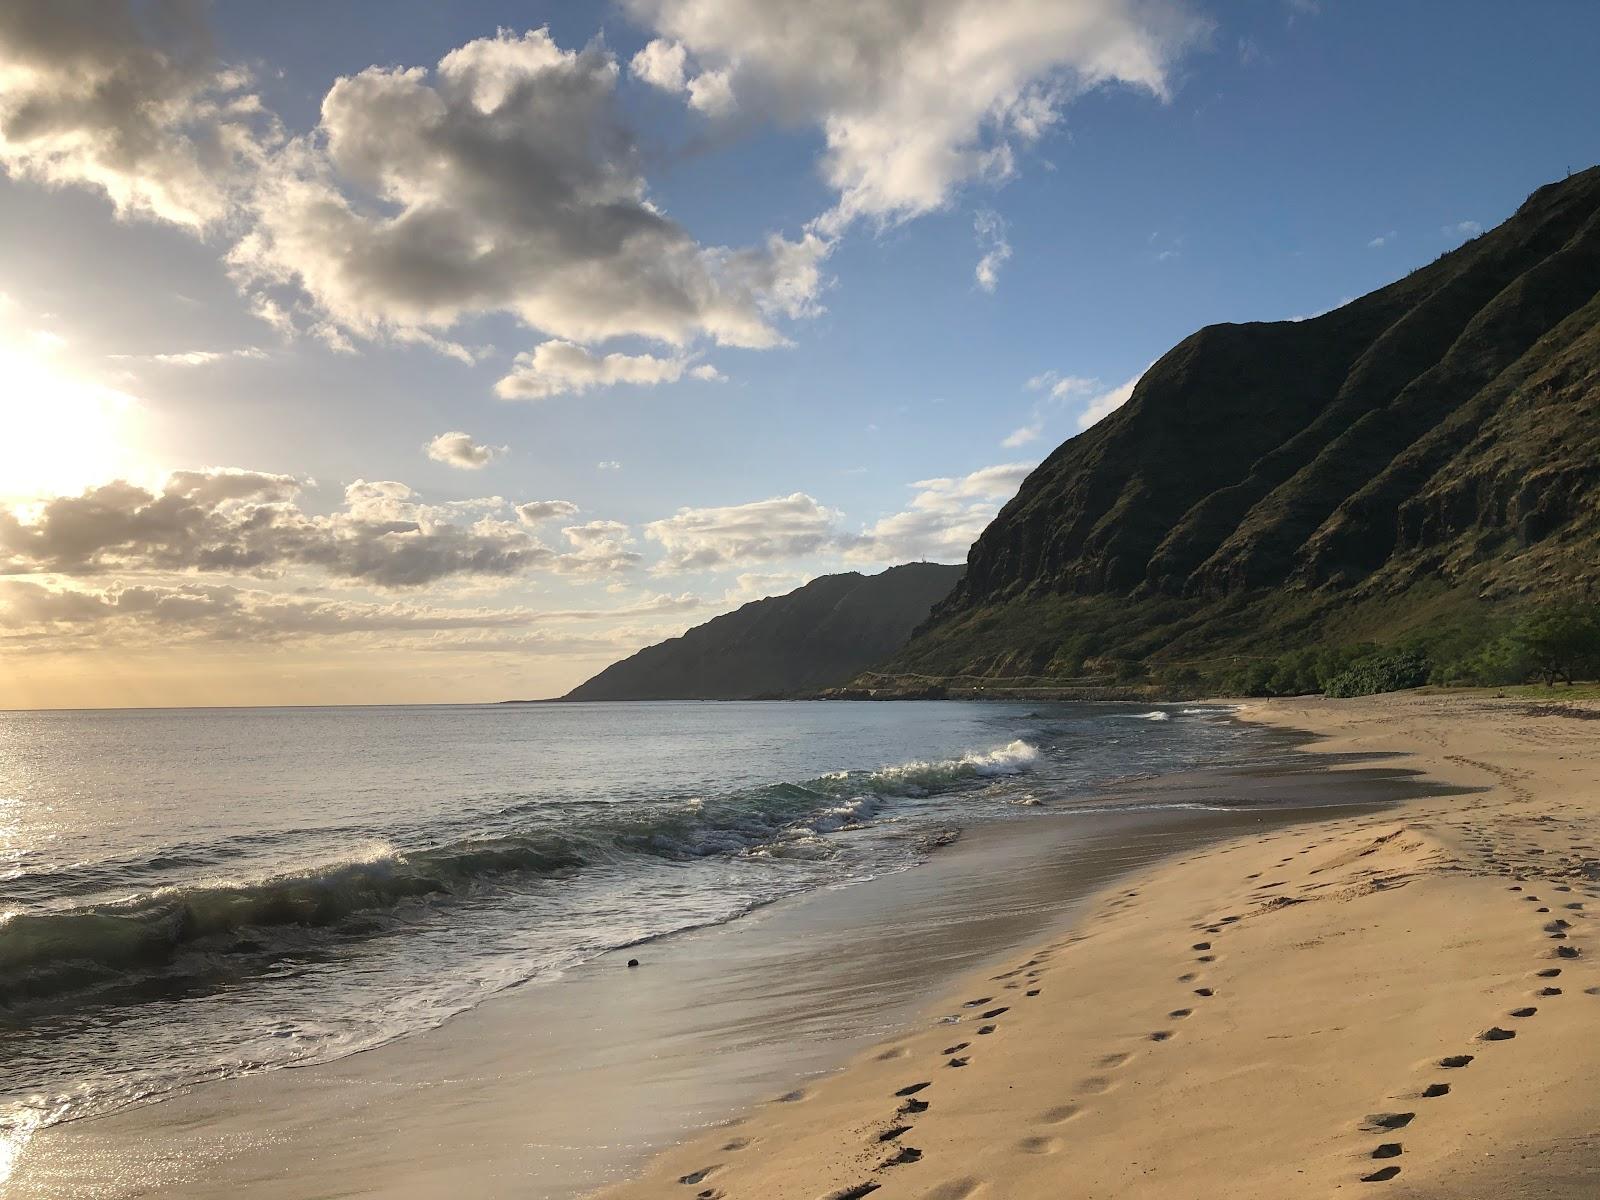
[[549, 1091], [1401, 1003]]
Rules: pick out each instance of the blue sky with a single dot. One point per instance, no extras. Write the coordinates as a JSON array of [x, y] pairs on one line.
[[1135, 170]]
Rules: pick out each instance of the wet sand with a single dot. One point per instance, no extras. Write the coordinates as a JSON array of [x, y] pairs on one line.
[[555, 1089]]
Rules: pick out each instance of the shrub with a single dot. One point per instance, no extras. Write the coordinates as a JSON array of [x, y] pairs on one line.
[[1559, 641], [1388, 671]]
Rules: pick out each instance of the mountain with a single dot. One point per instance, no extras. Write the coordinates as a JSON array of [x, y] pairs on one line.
[[1411, 462], [814, 637]]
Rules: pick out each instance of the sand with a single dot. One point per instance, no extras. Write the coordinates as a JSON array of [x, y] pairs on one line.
[[1400, 1005]]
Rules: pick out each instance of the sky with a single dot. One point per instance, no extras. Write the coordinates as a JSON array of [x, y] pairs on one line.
[[396, 352]]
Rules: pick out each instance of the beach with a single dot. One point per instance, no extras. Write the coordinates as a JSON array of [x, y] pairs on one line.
[[1401, 1003], [1242, 980]]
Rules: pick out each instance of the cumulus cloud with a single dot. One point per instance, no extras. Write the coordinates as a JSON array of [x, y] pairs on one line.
[[991, 231], [598, 548], [1462, 229], [244, 522], [913, 100], [501, 181], [457, 449], [557, 368], [698, 539], [92, 96], [943, 520], [536, 511], [757, 586]]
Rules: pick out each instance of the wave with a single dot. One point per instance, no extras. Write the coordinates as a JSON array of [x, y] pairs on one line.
[[1154, 715], [186, 930]]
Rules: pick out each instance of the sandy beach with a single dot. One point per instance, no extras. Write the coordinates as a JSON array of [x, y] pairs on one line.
[[1399, 1004]]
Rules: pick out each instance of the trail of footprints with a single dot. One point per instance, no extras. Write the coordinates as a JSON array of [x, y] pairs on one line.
[[1382, 1158], [1380, 1168]]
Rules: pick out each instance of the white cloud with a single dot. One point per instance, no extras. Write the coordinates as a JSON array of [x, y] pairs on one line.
[[1107, 402], [89, 96], [1462, 229], [609, 464], [943, 520], [1382, 240], [698, 539], [535, 511], [756, 586], [193, 358], [913, 100], [501, 181], [598, 548], [1022, 435], [558, 368], [991, 231], [457, 449]]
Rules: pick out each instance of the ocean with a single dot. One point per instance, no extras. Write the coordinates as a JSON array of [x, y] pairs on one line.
[[190, 895]]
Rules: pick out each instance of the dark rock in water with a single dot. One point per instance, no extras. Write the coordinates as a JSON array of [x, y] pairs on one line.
[[633, 962], [1404, 458], [814, 637]]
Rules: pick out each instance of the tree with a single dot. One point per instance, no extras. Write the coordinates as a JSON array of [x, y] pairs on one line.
[[1561, 641]]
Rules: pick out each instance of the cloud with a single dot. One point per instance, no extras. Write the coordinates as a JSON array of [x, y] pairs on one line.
[[457, 449], [38, 617], [748, 587], [609, 464], [1022, 435], [557, 368], [1462, 229], [501, 181], [1382, 240], [1058, 388], [193, 358], [244, 522], [1107, 402], [598, 548], [991, 231], [535, 511], [698, 539], [89, 96], [943, 520], [912, 100]]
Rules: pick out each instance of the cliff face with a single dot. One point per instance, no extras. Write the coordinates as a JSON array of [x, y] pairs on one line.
[[814, 637], [1440, 436]]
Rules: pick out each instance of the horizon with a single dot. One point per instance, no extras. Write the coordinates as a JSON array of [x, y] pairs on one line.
[[392, 356]]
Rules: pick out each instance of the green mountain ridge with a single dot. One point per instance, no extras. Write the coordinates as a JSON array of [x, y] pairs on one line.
[[1423, 458], [815, 637]]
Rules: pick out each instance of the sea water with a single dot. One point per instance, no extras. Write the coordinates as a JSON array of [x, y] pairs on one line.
[[196, 894]]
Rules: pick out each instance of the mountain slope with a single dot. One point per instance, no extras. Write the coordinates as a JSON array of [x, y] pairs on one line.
[[1421, 452], [814, 637]]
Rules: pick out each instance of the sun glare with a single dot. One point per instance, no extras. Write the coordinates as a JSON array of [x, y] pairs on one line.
[[62, 432]]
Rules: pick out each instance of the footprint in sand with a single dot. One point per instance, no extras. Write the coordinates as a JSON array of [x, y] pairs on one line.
[[1113, 1060], [1039, 1145], [1204, 992], [1386, 1121], [911, 1089], [906, 1154], [1434, 1090], [894, 1131], [1455, 1061], [957, 1062], [912, 1107], [1095, 1085], [984, 1030], [1059, 1114], [1495, 1034], [1387, 1150], [1381, 1174], [696, 1176], [995, 1012], [853, 1193], [956, 1049]]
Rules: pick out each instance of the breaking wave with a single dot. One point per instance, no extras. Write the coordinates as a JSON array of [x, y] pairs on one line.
[[188, 930]]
